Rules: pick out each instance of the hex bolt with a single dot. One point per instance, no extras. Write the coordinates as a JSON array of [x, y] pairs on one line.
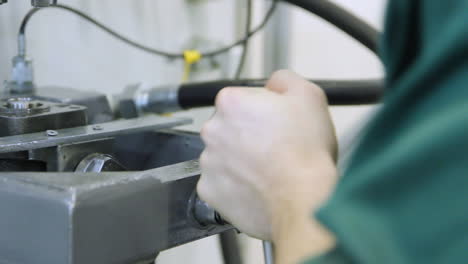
[[203, 214], [51, 133]]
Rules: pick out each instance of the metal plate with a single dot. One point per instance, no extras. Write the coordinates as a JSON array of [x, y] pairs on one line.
[[38, 116], [88, 133]]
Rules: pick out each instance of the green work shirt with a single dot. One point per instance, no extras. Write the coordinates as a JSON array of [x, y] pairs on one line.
[[404, 196]]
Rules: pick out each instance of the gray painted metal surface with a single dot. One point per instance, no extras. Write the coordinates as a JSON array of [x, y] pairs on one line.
[[61, 218], [87, 133], [118, 217], [98, 107]]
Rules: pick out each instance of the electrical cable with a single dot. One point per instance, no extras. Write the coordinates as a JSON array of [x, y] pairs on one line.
[[170, 55], [245, 45]]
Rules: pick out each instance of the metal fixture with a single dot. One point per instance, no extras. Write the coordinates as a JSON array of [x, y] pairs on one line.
[[23, 106], [203, 215], [23, 115], [98, 163], [138, 99], [22, 77], [87, 133], [43, 3]]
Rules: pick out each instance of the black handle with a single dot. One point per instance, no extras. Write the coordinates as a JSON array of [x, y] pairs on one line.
[[345, 92]]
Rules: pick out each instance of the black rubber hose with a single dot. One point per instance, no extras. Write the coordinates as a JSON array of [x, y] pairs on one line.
[[338, 92], [342, 19]]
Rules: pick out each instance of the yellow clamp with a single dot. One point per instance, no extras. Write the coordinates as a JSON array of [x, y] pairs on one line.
[[190, 57]]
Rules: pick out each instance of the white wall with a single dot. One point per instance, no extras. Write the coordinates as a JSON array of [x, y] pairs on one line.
[[318, 50], [72, 53]]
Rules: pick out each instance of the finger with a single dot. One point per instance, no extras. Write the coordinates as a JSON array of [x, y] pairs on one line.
[[290, 83], [233, 99], [207, 186], [227, 98], [209, 131]]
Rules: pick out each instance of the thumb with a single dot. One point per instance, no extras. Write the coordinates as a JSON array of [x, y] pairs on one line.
[[289, 83]]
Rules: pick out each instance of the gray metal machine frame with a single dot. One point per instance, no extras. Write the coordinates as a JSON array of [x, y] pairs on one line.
[[64, 215]]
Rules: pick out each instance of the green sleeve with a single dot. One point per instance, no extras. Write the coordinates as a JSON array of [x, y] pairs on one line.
[[404, 197], [336, 256]]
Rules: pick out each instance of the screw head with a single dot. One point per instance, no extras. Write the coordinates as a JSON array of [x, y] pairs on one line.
[[97, 128], [51, 133]]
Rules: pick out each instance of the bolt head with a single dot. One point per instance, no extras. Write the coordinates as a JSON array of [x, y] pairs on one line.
[[97, 128]]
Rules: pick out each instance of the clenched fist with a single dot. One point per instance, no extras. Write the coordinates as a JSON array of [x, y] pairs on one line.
[[270, 159]]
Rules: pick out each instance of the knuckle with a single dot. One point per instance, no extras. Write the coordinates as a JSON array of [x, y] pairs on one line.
[[206, 131], [202, 189], [227, 98], [320, 94], [203, 160], [205, 190], [280, 74], [223, 97], [277, 78], [317, 92]]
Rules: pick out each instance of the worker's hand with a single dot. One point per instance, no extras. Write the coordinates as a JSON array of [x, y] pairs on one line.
[[270, 155]]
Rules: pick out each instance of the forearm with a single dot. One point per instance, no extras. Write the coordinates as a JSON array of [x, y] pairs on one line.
[[296, 234]]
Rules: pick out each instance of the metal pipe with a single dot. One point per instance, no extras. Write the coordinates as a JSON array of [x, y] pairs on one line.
[[268, 252]]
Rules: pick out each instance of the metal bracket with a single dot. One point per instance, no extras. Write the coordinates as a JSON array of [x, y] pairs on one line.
[[88, 133]]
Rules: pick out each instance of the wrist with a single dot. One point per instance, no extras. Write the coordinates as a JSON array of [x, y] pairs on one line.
[[304, 187], [294, 227]]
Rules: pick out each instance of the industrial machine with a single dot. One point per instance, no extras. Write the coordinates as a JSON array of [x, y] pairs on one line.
[[84, 181]]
